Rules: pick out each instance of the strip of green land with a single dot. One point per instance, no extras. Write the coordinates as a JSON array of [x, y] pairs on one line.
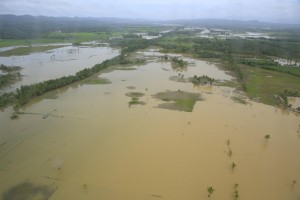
[[21, 51]]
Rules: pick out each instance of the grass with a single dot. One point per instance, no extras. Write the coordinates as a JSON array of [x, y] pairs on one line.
[[285, 69], [135, 98], [27, 50], [134, 94], [9, 43], [58, 37], [96, 81], [135, 101], [264, 85], [239, 100], [78, 37], [178, 100]]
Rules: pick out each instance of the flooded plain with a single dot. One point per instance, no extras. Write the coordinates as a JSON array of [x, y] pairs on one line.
[[94, 145], [64, 61]]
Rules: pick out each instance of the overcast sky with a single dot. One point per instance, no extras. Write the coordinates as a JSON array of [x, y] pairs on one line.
[[283, 11]]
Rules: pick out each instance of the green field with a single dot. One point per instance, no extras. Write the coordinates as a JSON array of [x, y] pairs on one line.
[[27, 50], [78, 37], [264, 85]]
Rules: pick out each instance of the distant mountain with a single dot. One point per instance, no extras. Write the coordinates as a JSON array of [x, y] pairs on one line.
[[225, 23], [27, 27]]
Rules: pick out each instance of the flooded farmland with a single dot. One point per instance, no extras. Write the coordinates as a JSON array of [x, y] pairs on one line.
[[95, 144], [64, 61]]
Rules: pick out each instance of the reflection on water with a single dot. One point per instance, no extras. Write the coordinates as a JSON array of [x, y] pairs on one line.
[[102, 149], [56, 63]]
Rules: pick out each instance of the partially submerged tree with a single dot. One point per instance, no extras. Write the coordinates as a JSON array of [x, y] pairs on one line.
[[210, 191]]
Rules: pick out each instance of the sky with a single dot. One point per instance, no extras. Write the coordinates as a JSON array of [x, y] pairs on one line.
[[281, 11]]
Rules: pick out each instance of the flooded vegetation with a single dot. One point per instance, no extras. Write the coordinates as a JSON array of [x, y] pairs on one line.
[[180, 100], [172, 117], [58, 62]]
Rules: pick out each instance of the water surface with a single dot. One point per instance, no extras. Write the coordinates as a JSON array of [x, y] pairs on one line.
[[56, 63], [94, 146]]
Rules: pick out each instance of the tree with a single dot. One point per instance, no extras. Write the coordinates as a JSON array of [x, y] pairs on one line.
[[267, 137], [210, 191]]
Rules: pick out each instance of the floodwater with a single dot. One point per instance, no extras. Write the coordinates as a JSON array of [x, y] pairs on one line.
[[94, 146], [64, 61]]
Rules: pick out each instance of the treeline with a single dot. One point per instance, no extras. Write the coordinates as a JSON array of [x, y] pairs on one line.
[[10, 78], [7, 69], [129, 45], [255, 62], [178, 62], [215, 48], [25, 93], [283, 98], [202, 80], [295, 71], [10, 75]]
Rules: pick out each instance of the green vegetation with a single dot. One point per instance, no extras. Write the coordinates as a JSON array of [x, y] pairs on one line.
[[266, 86], [178, 65], [239, 99], [236, 192], [10, 78], [6, 99], [202, 80], [210, 191], [233, 165], [286, 69], [11, 74], [96, 81], [25, 93], [8, 69], [229, 152], [135, 101], [178, 100], [131, 44], [135, 98], [267, 137], [251, 61], [20, 51], [228, 142], [134, 94]]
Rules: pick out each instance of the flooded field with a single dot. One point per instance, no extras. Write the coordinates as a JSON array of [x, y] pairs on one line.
[[95, 144], [56, 63]]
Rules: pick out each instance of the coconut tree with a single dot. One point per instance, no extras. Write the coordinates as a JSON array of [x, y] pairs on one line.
[[267, 137], [210, 190], [236, 192], [233, 165], [228, 142], [229, 152]]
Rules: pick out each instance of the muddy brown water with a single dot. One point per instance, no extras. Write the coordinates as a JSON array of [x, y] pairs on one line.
[[94, 146]]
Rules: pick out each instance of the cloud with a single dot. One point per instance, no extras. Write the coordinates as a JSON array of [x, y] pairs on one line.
[[264, 10]]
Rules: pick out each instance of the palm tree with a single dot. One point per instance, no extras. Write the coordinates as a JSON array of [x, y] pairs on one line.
[[236, 192], [230, 152], [210, 190], [233, 165], [228, 142], [267, 137]]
